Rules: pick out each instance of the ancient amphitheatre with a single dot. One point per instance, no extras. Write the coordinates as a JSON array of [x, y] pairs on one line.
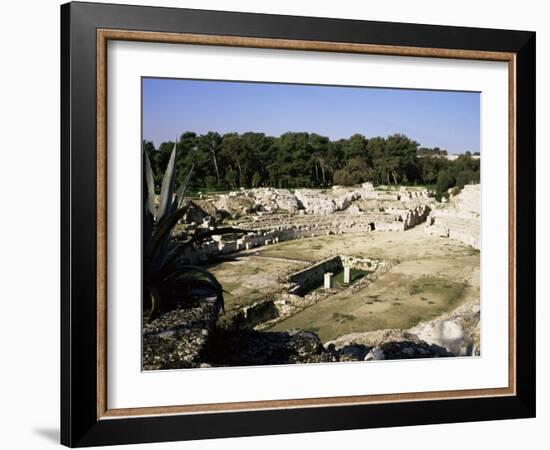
[[323, 275]]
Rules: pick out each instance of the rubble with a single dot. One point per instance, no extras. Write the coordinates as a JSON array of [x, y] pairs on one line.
[[459, 218], [456, 333], [193, 335], [274, 215], [249, 347], [177, 338]]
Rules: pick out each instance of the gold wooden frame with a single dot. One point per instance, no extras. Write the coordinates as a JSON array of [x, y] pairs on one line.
[[104, 35]]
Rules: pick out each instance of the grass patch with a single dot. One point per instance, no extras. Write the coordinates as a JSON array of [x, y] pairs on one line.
[[433, 287], [356, 274], [342, 318]]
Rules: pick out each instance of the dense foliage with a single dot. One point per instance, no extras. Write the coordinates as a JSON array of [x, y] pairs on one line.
[[296, 160]]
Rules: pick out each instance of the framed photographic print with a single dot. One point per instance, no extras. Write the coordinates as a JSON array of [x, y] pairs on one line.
[[276, 224]]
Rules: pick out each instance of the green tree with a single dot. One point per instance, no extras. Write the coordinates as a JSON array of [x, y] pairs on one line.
[[444, 182], [210, 143], [232, 178], [356, 171], [299, 159], [256, 179]]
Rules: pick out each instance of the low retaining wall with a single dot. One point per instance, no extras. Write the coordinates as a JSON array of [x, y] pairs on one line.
[[397, 220], [307, 279], [366, 264], [249, 316]]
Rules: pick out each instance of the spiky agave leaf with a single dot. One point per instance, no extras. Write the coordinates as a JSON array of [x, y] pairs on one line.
[[183, 187], [149, 185], [155, 302], [189, 283], [167, 188], [153, 255], [192, 281], [161, 270], [188, 269]]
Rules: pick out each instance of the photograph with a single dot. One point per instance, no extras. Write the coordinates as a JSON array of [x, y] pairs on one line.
[[301, 223], [289, 221]]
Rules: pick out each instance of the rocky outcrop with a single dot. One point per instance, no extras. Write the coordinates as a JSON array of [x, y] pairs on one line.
[[235, 205], [251, 348], [177, 339], [188, 338], [315, 202], [407, 350], [269, 199], [373, 339], [384, 344], [459, 218], [264, 201], [458, 331]]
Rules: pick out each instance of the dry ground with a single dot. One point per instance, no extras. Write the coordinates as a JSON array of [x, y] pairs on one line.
[[431, 276]]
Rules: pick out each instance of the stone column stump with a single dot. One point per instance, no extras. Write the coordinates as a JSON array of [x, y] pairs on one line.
[[328, 280], [347, 275]]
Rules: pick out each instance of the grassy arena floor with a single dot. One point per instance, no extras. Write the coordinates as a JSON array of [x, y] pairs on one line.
[[431, 276]]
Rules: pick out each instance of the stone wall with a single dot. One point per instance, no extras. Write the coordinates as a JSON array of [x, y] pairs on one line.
[[249, 316], [312, 277], [367, 264], [274, 215], [272, 230]]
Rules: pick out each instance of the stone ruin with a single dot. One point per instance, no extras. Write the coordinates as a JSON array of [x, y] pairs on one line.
[[191, 337], [302, 289], [275, 215], [305, 280], [459, 218]]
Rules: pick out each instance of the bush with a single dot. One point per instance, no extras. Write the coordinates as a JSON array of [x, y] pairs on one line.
[[444, 182], [211, 183], [465, 177], [455, 191]]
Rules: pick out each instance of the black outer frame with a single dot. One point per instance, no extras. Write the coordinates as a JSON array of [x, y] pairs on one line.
[[79, 424]]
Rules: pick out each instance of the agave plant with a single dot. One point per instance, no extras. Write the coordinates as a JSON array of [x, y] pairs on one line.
[[165, 278]]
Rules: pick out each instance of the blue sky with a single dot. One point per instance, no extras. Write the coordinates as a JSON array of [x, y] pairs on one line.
[[442, 119]]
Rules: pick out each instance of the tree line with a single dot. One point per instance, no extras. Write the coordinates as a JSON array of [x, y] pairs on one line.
[[309, 160]]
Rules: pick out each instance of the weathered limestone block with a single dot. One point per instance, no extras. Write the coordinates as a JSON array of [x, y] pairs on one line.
[[469, 198], [270, 199], [353, 210], [344, 200], [458, 219], [315, 202], [457, 331], [376, 354], [389, 344]]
